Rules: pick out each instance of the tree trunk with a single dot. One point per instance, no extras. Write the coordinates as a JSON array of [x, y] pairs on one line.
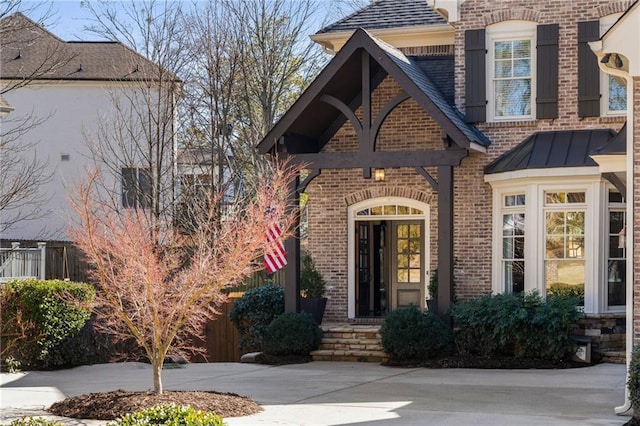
[[157, 376]]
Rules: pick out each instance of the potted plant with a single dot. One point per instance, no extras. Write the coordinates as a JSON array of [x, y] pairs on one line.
[[432, 301], [312, 289]]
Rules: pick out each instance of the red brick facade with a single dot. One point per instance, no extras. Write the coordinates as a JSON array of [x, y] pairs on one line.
[[408, 127]]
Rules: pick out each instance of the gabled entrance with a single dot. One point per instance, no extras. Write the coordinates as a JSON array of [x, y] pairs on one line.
[[389, 255], [343, 92]]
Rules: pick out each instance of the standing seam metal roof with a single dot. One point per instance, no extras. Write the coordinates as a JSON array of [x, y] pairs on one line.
[[388, 14], [564, 148]]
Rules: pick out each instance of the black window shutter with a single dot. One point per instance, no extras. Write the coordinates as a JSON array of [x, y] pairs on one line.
[[547, 72], [588, 71], [475, 75]]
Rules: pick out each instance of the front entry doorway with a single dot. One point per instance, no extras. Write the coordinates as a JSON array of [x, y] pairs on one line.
[[389, 257]]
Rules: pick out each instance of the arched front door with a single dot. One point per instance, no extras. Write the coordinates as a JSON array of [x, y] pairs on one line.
[[388, 255]]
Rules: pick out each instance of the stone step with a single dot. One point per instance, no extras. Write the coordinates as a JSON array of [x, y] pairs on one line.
[[346, 342], [349, 355], [614, 357], [351, 346]]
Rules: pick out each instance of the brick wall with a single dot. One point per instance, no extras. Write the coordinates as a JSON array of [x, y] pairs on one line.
[[636, 207], [408, 127]]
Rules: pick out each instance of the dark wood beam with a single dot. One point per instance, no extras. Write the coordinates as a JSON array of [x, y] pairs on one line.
[[365, 142], [346, 111], [359, 160], [382, 115], [331, 130], [425, 174], [311, 176], [445, 239], [292, 248]]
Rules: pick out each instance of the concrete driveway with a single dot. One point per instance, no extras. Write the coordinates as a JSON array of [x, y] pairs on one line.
[[330, 393]]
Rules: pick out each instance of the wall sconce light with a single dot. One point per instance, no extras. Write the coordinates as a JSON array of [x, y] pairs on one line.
[[378, 175]]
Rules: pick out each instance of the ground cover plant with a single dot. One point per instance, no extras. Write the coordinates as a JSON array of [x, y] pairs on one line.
[[169, 415], [633, 383]]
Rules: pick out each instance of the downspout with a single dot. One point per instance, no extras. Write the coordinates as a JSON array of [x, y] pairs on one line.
[[596, 47]]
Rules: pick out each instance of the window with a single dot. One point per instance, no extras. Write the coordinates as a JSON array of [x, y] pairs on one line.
[[614, 91], [511, 70], [136, 187], [564, 243], [513, 234], [616, 252], [563, 238]]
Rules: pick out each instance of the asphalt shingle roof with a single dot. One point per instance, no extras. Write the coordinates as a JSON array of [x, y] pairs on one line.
[[388, 14], [30, 51], [563, 148], [413, 70]]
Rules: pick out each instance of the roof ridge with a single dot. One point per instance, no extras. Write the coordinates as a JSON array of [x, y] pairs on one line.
[[20, 15], [355, 13]]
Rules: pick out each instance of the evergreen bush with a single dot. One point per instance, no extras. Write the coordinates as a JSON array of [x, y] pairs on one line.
[[254, 311], [41, 318], [409, 334], [521, 326], [311, 282], [169, 415], [291, 334], [633, 383]]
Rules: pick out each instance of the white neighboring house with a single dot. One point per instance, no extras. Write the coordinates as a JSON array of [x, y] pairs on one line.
[[72, 95]]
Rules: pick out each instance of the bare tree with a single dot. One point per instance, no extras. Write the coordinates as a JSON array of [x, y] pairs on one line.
[[161, 287], [139, 137]]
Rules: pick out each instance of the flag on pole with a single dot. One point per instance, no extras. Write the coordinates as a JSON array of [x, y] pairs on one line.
[[274, 257]]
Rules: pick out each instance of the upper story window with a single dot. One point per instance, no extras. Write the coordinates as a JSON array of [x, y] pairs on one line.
[[511, 71], [136, 187], [614, 92], [512, 78]]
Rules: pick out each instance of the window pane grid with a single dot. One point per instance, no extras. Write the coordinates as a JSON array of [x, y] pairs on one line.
[[512, 78], [564, 246]]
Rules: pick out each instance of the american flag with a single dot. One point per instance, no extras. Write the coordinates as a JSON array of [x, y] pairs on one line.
[[274, 257]]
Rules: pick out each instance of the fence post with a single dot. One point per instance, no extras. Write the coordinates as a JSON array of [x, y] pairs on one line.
[[43, 259], [15, 262]]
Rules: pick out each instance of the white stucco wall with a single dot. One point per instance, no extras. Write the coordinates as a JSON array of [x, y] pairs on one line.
[[72, 107]]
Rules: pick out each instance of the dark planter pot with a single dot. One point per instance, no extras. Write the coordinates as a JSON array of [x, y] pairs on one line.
[[432, 306], [314, 306]]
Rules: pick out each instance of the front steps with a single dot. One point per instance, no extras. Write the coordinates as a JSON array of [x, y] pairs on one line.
[[350, 342], [614, 357]]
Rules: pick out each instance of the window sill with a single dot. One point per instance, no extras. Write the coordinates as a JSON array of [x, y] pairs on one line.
[[515, 123]]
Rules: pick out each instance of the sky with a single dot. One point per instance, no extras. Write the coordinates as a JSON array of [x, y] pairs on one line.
[[67, 21], [69, 17]]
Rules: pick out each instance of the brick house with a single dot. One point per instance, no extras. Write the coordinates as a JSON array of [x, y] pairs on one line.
[[484, 139]]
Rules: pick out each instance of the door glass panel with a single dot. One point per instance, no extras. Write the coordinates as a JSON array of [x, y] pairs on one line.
[[414, 275]]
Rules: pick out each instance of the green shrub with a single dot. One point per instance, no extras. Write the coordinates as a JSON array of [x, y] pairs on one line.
[[311, 282], [254, 311], [633, 382], [40, 317], [34, 421], [409, 334], [521, 326], [169, 415], [291, 334]]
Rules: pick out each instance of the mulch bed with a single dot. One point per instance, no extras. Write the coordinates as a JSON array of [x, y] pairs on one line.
[[111, 405], [487, 363]]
